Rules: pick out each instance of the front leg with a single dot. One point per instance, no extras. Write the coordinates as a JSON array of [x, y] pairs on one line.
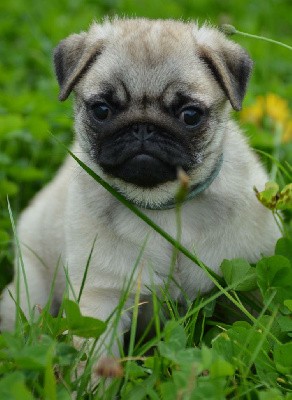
[[105, 305]]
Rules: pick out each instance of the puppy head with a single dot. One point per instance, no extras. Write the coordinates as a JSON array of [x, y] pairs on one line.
[[151, 97]]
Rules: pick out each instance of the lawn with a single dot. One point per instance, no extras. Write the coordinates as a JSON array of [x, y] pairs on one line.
[[196, 353]]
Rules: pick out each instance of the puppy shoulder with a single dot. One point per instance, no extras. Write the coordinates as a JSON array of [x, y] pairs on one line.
[[46, 209]]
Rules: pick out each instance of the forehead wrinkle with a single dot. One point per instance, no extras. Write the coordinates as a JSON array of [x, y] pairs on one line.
[[140, 80], [165, 97], [181, 88], [124, 90], [150, 97], [119, 89]]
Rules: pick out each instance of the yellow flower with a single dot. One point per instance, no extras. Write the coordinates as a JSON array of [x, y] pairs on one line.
[[271, 107], [276, 108]]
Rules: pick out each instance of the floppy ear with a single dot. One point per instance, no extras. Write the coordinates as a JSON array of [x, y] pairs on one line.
[[72, 57], [229, 63]]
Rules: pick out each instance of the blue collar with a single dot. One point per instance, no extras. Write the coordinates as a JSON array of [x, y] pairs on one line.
[[193, 192]]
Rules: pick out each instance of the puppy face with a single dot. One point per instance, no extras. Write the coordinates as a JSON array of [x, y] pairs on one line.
[[151, 97]]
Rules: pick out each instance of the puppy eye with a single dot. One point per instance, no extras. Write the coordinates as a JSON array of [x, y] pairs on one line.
[[101, 111], [191, 116]]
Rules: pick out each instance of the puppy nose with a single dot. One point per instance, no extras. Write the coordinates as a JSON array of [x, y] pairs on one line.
[[143, 131]]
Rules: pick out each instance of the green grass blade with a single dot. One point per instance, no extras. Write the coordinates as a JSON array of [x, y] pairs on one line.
[[21, 264], [86, 271], [279, 165]]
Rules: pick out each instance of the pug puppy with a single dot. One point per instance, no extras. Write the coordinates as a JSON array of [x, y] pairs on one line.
[[151, 98]]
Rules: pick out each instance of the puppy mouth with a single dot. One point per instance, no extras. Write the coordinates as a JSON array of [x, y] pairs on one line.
[[143, 170], [145, 161]]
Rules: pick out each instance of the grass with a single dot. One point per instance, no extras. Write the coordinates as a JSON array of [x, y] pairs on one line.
[[209, 349]]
